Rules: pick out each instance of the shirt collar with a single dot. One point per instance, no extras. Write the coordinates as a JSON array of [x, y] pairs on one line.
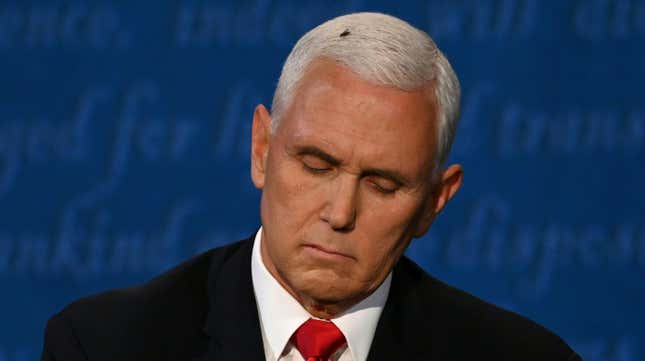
[[280, 314]]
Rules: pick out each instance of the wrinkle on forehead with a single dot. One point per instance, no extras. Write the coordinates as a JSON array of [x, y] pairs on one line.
[[352, 117]]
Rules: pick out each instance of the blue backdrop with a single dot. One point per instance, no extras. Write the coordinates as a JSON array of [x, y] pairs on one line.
[[125, 135]]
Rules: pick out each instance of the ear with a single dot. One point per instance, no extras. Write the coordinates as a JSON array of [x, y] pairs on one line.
[[260, 136], [448, 185]]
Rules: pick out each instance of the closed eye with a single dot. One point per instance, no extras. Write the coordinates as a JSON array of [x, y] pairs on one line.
[[315, 165], [384, 186], [314, 170]]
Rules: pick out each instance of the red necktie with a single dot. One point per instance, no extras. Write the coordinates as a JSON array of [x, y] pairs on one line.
[[317, 340]]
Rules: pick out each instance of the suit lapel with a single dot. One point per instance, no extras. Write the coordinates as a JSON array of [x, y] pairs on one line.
[[402, 330], [234, 326], [389, 338], [387, 344], [232, 320]]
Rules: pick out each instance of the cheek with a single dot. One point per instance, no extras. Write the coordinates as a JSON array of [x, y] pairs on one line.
[[378, 260], [386, 231], [392, 218], [289, 197]]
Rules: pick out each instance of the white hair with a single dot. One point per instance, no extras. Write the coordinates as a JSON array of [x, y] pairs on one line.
[[382, 49]]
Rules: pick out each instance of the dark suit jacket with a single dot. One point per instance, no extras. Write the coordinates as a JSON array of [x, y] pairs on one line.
[[204, 309]]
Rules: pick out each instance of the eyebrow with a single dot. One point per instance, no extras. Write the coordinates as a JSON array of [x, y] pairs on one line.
[[385, 173]]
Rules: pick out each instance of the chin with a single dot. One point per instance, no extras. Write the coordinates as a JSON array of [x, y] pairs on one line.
[[331, 295], [328, 294]]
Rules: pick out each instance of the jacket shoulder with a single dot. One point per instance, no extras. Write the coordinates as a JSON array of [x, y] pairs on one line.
[[462, 324], [161, 319]]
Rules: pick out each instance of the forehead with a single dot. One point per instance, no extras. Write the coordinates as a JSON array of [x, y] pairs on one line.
[[360, 120]]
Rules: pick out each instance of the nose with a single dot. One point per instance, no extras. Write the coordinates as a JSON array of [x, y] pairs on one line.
[[340, 209]]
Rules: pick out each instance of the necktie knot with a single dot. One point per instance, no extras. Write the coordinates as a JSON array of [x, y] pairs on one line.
[[317, 340]]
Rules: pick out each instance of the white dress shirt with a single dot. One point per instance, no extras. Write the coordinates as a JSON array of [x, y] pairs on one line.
[[280, 316]]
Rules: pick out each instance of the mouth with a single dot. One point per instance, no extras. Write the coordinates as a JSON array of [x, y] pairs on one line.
[[323, 252]]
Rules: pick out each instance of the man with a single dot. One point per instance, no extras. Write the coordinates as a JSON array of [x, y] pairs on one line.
[[351, 167]]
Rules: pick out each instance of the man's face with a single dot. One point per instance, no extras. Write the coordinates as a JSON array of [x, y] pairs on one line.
[[346, 184]]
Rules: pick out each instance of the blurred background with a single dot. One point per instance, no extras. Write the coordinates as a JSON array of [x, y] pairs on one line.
[[125, 135]]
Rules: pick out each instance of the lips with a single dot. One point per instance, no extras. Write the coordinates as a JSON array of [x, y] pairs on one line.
[[326, 251]]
